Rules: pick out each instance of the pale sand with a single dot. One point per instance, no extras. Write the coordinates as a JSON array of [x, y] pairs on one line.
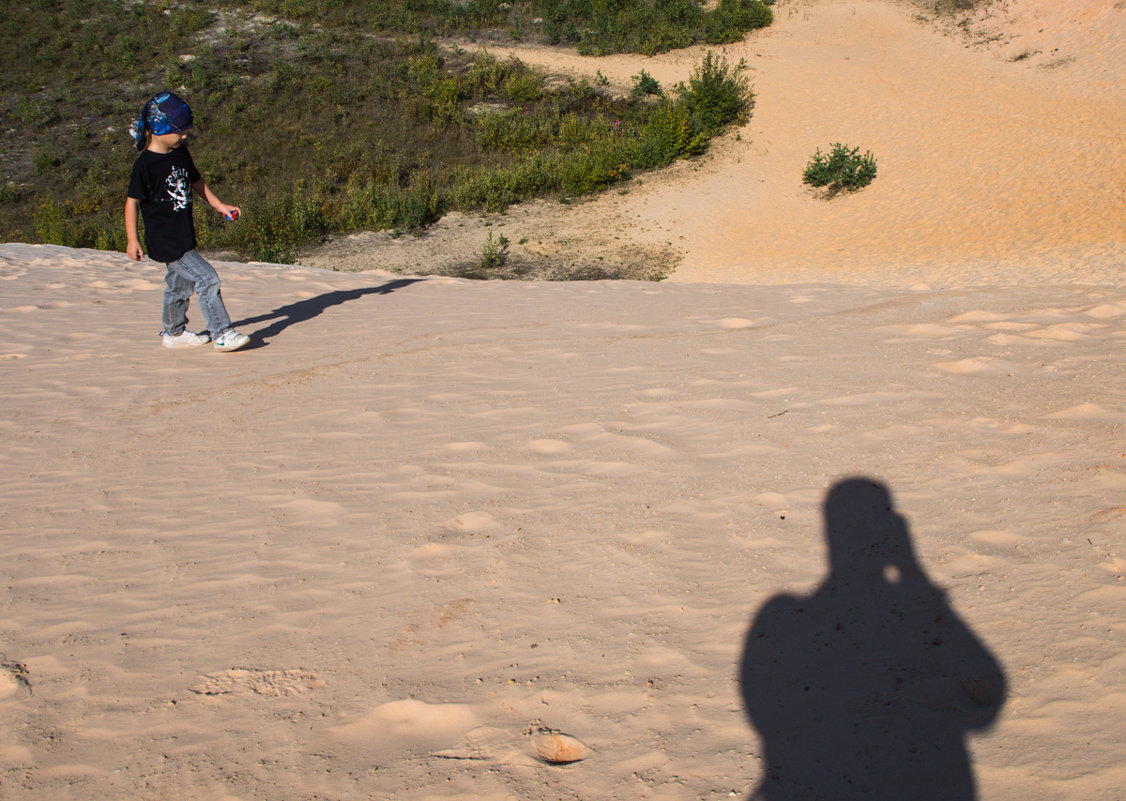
[[420, 518]]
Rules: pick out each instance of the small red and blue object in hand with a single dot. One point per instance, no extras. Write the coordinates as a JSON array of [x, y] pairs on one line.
[[231, 215]]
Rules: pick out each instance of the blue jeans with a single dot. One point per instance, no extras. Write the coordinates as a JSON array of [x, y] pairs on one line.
[[192, 273]]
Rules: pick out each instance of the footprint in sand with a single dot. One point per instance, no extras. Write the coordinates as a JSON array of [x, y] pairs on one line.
[[407, 725], [1064, 332], [238, 681], [1047, 335], [311, 513], [1089, 412], [1107, 311], [549, 447], [1002, 541], [738, 323], [465, 447], [976, 365], [869, 398], [476, 522], [923, 331], [976, 316]]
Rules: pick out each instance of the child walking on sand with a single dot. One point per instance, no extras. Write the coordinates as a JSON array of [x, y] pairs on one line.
[[161, 188]]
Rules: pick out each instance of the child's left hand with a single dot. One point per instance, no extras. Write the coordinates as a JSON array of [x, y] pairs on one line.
[[231, 213]]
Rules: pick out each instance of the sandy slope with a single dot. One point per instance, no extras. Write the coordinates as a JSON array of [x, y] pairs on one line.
[[421, 520], [418, 519], [989, 169]]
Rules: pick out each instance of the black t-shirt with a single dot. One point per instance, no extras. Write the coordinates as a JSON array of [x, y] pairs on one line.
[[163, 184]]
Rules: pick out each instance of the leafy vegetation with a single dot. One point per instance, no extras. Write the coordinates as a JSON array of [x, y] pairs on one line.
[[645, 84], [323, 115], [949, 6], [494, 255], [594, 27], [842, 170], [600, 27]]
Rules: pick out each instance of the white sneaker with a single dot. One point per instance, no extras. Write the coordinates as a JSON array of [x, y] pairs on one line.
[[231, 340], [185, 339]]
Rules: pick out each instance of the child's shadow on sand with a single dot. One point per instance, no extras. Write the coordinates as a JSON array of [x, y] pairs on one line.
[[868, 687], [304, 310]]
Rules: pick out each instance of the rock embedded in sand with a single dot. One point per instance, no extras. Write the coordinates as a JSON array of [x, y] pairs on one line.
[[556, 748]]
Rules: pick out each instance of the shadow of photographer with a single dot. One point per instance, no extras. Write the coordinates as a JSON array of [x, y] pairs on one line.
[[868, 687]]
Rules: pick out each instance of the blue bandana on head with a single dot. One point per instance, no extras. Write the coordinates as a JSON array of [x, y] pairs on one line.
[[165, 113]]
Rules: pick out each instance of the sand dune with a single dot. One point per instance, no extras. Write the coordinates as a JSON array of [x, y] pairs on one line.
[[426, 517], [426, 535], [990, 170]]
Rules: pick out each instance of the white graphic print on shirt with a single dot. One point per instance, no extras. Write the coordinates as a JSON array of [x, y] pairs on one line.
[[179, 189]]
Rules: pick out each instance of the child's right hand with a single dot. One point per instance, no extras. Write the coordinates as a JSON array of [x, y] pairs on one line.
[[133, 250]]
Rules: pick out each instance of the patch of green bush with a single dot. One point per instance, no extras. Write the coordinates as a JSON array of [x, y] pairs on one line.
[[72, 225], [668, 134], [514, 130], [731, 19], [717, 94], [843, 169], [270, 230], [497, 188], [601, 27], [584, 172], [645, 84], [495, 252], [381, 206]]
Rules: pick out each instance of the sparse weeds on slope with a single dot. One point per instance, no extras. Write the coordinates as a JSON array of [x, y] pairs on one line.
[[494, 255], [600, 27], [949, 6], [594, 27], [313, 128]]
